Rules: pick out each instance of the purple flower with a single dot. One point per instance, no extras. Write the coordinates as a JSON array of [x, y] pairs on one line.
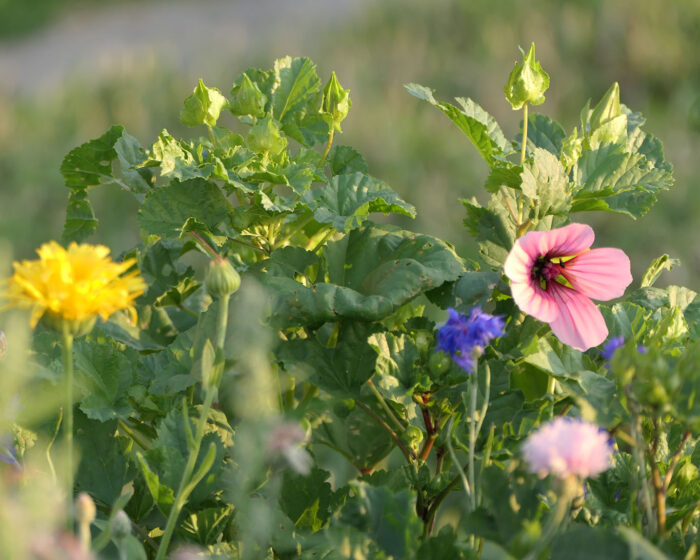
[[565, 447], [611, 346], [8, 454], [464, 339]]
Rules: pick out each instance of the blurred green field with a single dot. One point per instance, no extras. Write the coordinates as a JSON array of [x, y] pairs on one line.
[[460, 48]]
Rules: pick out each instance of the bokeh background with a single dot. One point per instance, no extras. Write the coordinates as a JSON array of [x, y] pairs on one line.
[[71, 68]]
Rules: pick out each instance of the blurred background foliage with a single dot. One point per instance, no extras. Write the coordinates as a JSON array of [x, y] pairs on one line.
[[459, 47]]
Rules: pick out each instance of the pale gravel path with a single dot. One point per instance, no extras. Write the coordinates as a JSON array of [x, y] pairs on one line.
[[98, 42]]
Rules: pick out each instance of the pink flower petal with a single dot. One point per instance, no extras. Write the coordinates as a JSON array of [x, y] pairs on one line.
[[580, 323], [518, 265], [601, 274], [561, 242], [533, 300]]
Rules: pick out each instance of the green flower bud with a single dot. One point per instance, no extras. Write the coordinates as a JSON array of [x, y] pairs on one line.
[[247, 99], [423, 341], [222, 279], [685, 474], [439, 363], [608, 124], [265, 137], [203, 106], [120, 525], [527, 82], [571, 150], [336, 102], [413, 436]]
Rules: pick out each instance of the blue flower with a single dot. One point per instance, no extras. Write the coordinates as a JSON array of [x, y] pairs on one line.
[[8, 454], [464, 339], [611, 347]]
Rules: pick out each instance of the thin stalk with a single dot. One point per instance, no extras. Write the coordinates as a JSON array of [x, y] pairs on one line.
[[554, 522], [328, 148], [522, 160], [67, 348], [211, 136], [674, 460], [407, 453], [181, 496], [385, 406], [473, 387], [209, 394], [659, 488], [461, 475], [485, 404], [51, 442], [641, 465]]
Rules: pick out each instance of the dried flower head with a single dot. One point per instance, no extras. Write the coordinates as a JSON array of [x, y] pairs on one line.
[[74, 285]]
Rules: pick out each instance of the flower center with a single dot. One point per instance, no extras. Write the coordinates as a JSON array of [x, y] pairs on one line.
[[544, 271]]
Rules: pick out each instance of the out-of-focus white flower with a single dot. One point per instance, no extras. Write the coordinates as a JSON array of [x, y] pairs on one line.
[[286, 440]]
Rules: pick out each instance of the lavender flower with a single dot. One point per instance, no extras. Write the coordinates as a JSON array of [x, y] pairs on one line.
[[611, 346], [566, 447], [464, 339]]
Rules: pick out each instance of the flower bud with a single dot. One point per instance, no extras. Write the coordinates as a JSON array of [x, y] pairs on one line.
[[222, 279], [527, 82], [608, 124], [85, 510], [120, 525], [247, 99], [265, 137], [336, 102], [571, 150]]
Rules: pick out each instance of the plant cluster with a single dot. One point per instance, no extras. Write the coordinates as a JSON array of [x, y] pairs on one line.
[[263, 376]]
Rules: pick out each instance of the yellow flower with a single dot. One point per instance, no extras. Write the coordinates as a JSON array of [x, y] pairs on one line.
[[74, 285]]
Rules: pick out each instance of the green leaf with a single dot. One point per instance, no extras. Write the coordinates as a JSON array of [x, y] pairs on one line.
[[344, 160], [309, 500], [80, 218], [396, 366], [169, 281], [626, 319], [492, 228], [610, 179], [480, 127], [388, 517], [657, 266], [91, 163], [203, 106], [103, 468], [544, 133], [371, 273], [163, 496], [104, 374], [348, 199], [340, 370], [595, 397], [166, 209], [544, 181], [131, 156], [558, 359]]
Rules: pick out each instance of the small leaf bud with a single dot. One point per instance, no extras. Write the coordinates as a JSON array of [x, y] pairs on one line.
[[527, 82], [222, 279]]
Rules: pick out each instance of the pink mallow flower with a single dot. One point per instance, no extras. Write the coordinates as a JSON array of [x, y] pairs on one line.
[[565, 447], [553, 274]]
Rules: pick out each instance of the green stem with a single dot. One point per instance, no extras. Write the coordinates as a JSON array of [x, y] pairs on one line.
[[68, 413], [185, 487], [50, 445], [211, 136], [208, 248], [328, 148], [555, 521], [641, 465], [522, 162], [407, 453], [473, 388], [385, 406]]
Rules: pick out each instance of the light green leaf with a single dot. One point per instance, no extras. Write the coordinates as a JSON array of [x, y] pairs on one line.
[[545, 182], [348, 199], [657, 266], [480, 127], [544, 133]]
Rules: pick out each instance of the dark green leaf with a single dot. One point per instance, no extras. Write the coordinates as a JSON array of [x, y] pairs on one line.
[[167, 209], [544, 133], [80, 218], [344, 160], [309, 500]]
